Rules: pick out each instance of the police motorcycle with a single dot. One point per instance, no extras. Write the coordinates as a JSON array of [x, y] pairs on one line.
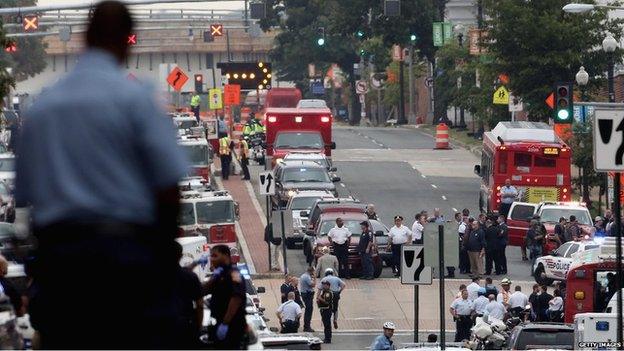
[[517, 316], [488, 334], [257, 147]]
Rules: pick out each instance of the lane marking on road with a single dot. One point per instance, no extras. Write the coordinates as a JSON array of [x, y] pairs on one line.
[[342, 185], [443, 197], [434, 186], [454, 209], [422, 175]]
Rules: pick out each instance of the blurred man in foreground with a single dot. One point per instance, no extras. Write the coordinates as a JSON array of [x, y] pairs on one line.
[[99, 166]]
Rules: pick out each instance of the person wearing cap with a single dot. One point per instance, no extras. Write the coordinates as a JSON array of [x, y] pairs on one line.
[[325, 302], [325, 262], [398, 235], [306, 286], [504, 295], [340, 238], [336, 285], [599, 228], [384, 341], [461, 310], [365, 247]]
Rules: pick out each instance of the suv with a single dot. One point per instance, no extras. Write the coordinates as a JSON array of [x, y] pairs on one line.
[[302, 202], [352, 218], [556, 265], [531, 336], [521, 213], [300, 175]]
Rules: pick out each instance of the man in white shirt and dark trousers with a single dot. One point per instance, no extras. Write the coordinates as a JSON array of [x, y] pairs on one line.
[[340, 237], [289, 314], [517, 302], [306, 287], [495, 309], [398, 235], [461, 310], [464, 262]]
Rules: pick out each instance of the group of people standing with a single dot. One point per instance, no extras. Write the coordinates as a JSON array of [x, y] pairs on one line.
[[482, 240]]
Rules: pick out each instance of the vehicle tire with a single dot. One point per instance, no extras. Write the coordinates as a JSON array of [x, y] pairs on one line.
[[540, 278], [290, 243], [377, 270]]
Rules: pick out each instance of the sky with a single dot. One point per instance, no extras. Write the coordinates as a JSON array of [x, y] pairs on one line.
[[212, 5]]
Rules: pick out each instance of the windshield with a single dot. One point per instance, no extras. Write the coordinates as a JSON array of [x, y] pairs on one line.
[[215, 212], [352, 225], [321, 161], [187, 215], [186, 124], [555, 337], [7, 165], [303, 174], [553, 214], [197, 154], [4, 190], [294, 140], [303, 203]]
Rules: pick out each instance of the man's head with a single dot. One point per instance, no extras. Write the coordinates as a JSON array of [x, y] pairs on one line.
[[474, 225], [432, 338], [364, 226], [536, 288], [506, 284], [518, 288], [491, 297], [562, 220], [4, 266], [465, 212], [436, 212], [388, 328], [462, 287], [458, 216], [329, 272], [482, 217], [287, 279], [221, 117], [544, 288], [476, 279], [464, 294], [325, 285], [325, 250], [398, 220], [598, 221], [488, 222], [291, 296], [220, 256], [488, 280], [339, 222], [507, 182], [370, 208], [501, 219], [109, 28], [572, 218]]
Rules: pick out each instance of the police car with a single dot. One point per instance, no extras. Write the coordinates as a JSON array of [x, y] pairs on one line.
[[555, 266]]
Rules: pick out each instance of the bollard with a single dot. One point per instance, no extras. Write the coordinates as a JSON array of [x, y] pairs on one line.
[[442, 137]]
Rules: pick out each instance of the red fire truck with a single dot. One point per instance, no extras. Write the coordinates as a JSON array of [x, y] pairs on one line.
[[199, 153], [532, 156], [591, 280], [298, 130]]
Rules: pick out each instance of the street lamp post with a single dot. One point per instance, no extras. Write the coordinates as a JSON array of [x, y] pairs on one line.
[[609, 45], [582, 78]]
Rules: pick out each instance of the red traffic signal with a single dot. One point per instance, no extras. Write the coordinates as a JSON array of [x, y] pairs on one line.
[[132, 39], [10, 47]]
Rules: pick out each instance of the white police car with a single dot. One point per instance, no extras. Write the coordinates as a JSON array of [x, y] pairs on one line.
[[556, 266]]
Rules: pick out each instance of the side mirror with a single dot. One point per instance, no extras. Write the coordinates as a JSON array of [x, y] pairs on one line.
[[335, 179], [274, 329], [333, 169], [260, 290], [304, 214], [477, 170], [333, 145], [379, 233]]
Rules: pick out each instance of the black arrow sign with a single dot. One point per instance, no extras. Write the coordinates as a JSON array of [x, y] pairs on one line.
[[178, 75], [269, 178], [620, 150]]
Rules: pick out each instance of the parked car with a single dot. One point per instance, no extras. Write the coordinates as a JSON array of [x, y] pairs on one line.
[[531, 336], [319, 158], [555, 266], [300, 175], [300, 341], [381, 240], [302, 202]]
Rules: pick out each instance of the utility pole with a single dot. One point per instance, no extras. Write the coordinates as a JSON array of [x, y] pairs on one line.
[[410, 73], [462, 121], [401, 119]]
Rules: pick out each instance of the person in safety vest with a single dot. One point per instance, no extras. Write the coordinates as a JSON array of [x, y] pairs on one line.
[[253, 126], [195, 102], [225, 153], [243, 157]]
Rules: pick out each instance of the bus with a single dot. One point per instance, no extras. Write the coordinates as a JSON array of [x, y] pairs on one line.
[[591, 280], [531, 156]]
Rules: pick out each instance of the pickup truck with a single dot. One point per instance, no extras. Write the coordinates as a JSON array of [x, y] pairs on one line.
[[521, 213]]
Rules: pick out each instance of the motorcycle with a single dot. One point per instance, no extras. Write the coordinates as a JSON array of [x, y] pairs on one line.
[[517, 316], [488, 334], [257, 147]]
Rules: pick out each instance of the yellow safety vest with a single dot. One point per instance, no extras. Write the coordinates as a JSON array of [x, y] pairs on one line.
[[245, 149], [224, 146]]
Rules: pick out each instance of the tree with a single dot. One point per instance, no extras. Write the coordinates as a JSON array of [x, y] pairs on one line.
[[536, 44], [583, 158]]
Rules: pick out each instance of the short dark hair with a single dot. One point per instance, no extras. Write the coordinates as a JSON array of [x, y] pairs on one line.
[[476, 278], [572, 218], [544, 287], [488, 280], [222, 249], [110, 25], [462, 287], [432, 338], [466, 212], [518, 288], [562, 219]]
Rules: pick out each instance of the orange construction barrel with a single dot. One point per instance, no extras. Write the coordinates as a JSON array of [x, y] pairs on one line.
[[442, 137]]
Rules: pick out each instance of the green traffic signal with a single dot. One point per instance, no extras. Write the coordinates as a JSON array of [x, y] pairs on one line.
[[413, 37], [360, 34], [563, 115], [320, 41]]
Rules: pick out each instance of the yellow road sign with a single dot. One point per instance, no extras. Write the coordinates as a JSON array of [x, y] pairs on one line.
[[215, 99], [501, 96]]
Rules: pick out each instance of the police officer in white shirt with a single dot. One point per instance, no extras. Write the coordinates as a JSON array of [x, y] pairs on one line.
[[473, 288], [495, 309], [340, 237], [398, 235], [480, 303], [418, 228], [517, 301], [289, 314], [461, 310]]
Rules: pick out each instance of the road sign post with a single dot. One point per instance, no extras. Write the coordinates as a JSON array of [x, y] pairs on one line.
[[441, 272], [414, 272], [267, 187]]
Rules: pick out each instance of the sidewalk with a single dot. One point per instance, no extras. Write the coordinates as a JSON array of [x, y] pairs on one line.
[[252, 221]]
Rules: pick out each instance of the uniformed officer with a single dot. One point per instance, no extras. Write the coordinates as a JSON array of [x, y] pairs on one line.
[[227, 304], [340, 237], [337, 286], [480, 303], [289, 315], [195, 102], [325, 301], [306, 286], [104, 201], [225, 154], [461, 310], [398, 235], [244, 157]]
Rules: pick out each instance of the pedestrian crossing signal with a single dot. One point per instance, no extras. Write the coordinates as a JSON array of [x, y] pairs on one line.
[[10, 47]]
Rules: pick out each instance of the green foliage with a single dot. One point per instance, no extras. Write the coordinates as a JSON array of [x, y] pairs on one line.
[[537, 44], [583, 158]]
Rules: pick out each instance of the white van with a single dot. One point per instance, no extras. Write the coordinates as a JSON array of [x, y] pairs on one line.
[[193, 248], [592, 328]]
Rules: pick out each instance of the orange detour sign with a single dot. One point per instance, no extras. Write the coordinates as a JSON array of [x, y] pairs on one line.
[[231, 94], [177, 78]]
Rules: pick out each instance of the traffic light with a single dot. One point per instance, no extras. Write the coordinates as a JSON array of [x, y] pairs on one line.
[[413, 38], [10, 46], [199, 83], [563, 103], [320, 36], [359, 34], [132, 39]]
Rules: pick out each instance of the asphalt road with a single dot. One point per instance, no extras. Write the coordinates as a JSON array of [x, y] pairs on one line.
[[363, 340], [397, 170]]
